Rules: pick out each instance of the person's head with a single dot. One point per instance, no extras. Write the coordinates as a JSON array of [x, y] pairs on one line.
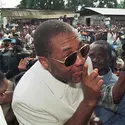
[[3, 84], [56, 43], [101, 54], [6, 42]]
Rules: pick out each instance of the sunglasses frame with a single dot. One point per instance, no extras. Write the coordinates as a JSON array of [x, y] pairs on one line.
[[78, 51]]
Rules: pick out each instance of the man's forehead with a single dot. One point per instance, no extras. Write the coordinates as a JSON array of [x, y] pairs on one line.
[[68, 47], [66, 40]]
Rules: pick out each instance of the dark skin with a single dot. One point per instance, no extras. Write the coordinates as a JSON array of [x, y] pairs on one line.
[[92, 83], [60, 51], [3, 89], [5, 95], [68, 43], [6, 98], [118, 90], [101, 60]]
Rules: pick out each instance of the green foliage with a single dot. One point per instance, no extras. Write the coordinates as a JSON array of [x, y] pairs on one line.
[[70, 4], [122, 4], [108, 3], [42, 4], [88, 3], [73, 4]]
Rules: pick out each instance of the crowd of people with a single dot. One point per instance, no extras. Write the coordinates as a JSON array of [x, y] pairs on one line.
[[57, 74]]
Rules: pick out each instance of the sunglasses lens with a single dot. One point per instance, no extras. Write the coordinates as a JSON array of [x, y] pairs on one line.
[[84, 51], [70, 59]]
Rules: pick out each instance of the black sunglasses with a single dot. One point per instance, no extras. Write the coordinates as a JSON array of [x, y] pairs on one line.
[[71, 59]]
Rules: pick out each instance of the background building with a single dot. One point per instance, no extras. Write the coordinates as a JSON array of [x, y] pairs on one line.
[[102, 16], [32, 16]]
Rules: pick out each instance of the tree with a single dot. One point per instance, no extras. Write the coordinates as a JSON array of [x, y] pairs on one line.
[[122, 4], [88, 3], [24, 4], [70, 4], [73, 4], [42, 4], [107, 3]]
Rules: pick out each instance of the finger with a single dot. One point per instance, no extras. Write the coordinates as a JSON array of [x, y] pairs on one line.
[[21, 61], [96, 80], [96, 70], [85, 73], [94, 74], [26, 60], [85, 70], [100, 83]]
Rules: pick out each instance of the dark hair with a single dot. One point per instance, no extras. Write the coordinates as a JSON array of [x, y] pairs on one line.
[[45, 32], [2, 77], [17, 49], [123, 47], [108, 48], [101, 36], [105, 45]]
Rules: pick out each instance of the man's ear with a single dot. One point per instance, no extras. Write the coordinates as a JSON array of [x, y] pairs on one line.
[[44, 62]]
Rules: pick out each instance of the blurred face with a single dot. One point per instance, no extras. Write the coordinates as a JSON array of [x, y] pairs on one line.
[[99, 57], [63, 45]]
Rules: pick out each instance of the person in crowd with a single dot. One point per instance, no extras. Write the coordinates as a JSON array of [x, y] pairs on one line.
[[5, 98], [6, 94], [57, 89], [3, 87], [65, 18], [6, 45], [119, 66], [101, 55], [110, 37]]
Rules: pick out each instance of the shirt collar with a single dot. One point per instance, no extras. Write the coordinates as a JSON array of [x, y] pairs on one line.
[[107, 76], [56, 87]]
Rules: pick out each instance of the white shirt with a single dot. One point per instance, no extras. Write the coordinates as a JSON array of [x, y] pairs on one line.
[[27, 37], [2, 119], [114, 36], [110, 38], [41, 99]]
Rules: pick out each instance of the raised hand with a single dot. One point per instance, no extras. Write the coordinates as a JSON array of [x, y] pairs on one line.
[[91, 85]]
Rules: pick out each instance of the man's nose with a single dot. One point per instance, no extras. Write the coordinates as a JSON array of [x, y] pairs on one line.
[[80, 60]]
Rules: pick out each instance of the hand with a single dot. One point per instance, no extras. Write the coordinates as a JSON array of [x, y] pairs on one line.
[[119, 88], [95, 121], [22, 64], [91, 85]]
